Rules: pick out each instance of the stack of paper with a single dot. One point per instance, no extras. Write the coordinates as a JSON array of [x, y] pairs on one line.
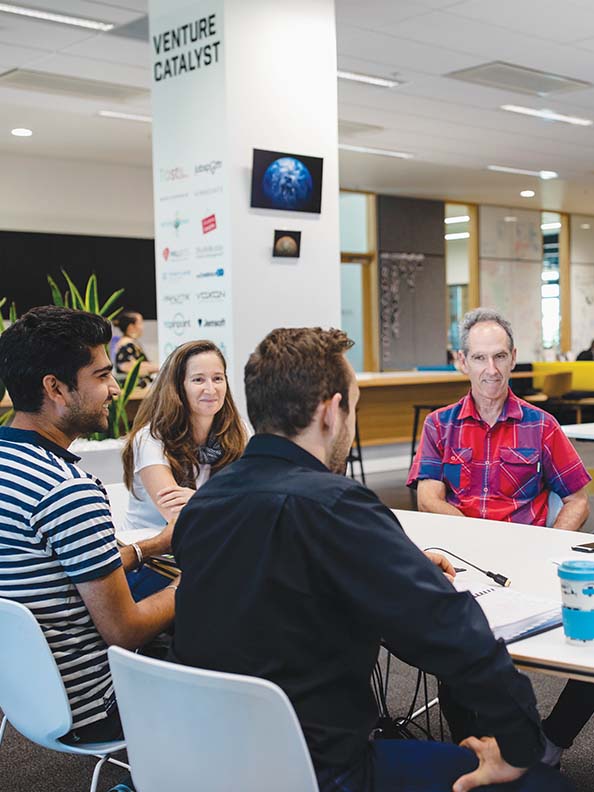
[[511, 614], [163, 564]]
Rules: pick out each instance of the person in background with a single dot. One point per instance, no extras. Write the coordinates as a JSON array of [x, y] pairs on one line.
[[493, 455], [293, 572], [127, 349], [587, 354], [187, 429]]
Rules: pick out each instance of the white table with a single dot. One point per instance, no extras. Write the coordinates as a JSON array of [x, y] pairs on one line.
[[584, 431], [523, 553]]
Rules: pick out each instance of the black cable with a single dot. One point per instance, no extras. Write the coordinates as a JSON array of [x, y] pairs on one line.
[[501, 579], [427, 719]]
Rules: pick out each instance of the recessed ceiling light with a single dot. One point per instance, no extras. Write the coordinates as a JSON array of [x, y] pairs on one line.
[[125, 116], [585, 226], [49, 16], [510, 219], [527, 193], [461, 235], [547, 115], [379, 152], [458, 219], [370, 79], [21, 132], [549, 226], [541, 174]]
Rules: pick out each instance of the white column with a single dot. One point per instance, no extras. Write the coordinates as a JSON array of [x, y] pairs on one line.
[[230, 76]]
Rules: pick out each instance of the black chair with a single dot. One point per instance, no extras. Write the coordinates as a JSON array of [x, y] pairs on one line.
[[355, 455], [418, 408]]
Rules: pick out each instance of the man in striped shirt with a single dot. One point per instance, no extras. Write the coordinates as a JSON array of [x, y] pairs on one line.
[[58, 554], [493, 455]]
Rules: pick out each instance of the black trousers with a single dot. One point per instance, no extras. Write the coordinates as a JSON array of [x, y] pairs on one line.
[[570, 714]]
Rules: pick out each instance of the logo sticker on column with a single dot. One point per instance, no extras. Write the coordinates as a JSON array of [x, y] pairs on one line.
[[166, 253], [209, 224]]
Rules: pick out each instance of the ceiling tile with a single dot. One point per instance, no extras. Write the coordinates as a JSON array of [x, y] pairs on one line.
[[551, 21], [398, 53]]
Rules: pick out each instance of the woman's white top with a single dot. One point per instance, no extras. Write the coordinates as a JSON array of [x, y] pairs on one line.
[[142, 512]]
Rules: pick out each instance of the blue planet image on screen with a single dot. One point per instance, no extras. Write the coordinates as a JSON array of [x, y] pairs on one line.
[[287, 183]]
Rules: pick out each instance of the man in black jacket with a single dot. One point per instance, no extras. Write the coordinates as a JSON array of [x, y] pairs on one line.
[[294, 573]]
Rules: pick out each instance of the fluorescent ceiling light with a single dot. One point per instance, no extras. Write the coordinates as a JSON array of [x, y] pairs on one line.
[[549, 226], [547, 115], [542, 174], [585, 226], [461, 235], [125, 116], [50, 16], [379, 152], [21, 132], [367, 78], [510, 219], [549, 275], [459, 219], [527, 193]]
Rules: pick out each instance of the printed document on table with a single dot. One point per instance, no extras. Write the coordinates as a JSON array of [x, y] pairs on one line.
[[511, 614]]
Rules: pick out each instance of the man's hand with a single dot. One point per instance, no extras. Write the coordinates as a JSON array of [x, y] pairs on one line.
[[492, 769], [174, 498], [443, 563]]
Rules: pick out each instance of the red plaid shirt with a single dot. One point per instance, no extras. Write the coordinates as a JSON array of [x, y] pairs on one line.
[[499, 472]]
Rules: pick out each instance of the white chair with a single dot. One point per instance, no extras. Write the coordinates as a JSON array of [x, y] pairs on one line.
[[118, 500], [32, 694], [555, 504], [188, 729]]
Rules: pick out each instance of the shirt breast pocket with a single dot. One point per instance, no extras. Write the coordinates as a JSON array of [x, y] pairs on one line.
[[519, 473], [456, 469]]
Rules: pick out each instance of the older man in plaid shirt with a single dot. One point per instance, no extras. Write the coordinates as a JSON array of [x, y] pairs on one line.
[[493, 455]]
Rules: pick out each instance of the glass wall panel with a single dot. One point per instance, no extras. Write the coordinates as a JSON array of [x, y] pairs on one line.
[[353, 222], [351, 292], [457, 236]]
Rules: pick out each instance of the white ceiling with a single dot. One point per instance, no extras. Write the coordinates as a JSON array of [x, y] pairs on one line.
[[454, 129]]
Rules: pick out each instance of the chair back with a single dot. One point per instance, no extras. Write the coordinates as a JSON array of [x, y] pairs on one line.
[[554, 506], [187, 728], [32, 694]]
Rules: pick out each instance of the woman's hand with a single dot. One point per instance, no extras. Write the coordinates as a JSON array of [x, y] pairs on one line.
[[492, 769], [174, 498]]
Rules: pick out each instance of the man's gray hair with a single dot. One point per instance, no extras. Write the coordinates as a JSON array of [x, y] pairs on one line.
[[483, 315]]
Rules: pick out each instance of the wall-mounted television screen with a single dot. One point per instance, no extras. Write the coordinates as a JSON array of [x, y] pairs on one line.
[[290, 182]]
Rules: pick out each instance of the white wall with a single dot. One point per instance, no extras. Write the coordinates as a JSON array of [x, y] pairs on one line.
[[72, 197]]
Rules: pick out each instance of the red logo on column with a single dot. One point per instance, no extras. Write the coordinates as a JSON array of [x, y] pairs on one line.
[[209, 223], [165, 253]]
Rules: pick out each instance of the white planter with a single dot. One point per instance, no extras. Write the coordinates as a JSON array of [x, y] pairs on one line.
[[102, 458]]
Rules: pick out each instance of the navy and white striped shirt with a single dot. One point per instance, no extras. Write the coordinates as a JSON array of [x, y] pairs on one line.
[[56, 531]]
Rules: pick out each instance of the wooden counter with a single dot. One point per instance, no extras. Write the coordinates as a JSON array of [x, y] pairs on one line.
[[385, 413]]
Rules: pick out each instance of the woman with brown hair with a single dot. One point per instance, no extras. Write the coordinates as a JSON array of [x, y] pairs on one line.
[[187, 428]]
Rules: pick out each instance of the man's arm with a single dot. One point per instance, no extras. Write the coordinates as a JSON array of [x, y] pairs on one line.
[[118, 619], [574, 512], [431, 497], [157, 545]]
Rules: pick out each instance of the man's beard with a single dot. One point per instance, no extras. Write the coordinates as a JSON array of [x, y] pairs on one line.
[[339, 453], [81, 422]]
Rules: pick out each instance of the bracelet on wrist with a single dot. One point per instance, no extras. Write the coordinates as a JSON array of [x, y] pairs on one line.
[[173, 586], [139, 556]]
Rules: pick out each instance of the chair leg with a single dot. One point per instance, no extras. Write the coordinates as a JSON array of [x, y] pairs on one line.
[[3, 727], [359, 454], [99, 765], [413, 443], [96, 771]]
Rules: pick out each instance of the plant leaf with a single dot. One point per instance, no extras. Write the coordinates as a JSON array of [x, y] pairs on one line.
[[110, 301], [56, 293], [12, 313], [91, 296], [6, 417], [114, 314], [77, 300]]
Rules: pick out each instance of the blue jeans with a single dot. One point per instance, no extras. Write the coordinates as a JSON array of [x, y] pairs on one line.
[[423, 766], [144, 581]]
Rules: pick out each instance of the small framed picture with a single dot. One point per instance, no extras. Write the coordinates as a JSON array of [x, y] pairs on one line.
[[287, 244]]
